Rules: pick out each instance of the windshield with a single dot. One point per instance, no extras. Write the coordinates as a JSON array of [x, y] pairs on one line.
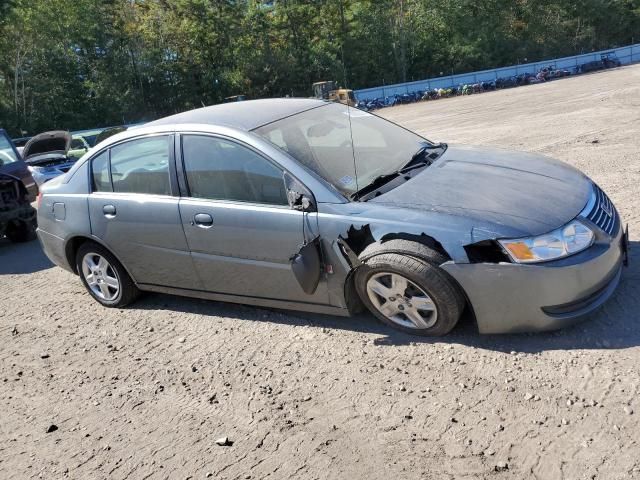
[[7, 154], [321, 140]]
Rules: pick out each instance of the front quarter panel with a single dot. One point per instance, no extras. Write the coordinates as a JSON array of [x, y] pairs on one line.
[[359, 224]]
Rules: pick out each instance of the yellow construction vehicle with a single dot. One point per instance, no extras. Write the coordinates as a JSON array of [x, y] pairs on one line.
[[329, 91]]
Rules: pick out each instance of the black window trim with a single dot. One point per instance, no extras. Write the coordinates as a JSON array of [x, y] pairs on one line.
[[182, 177], [92, 185], [173, 175]]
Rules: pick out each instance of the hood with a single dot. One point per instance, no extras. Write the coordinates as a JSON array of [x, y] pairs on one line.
[[525, 194], [56, 142]]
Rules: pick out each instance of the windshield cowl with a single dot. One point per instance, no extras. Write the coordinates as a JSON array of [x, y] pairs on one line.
[[423, 158], [386, 183]]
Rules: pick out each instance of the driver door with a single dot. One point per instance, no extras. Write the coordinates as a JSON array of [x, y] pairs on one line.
[[239, 226]]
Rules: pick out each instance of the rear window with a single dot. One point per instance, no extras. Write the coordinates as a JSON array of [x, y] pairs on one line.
[[137, 166]]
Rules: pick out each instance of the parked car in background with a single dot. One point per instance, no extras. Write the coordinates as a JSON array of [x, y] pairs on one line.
[[12, 164], [17, 216], [20, 143], [607, 60], [46, 155], [312, 205], [79, 147], [235, 98], [610, 60], [109, 132], [88, 135]]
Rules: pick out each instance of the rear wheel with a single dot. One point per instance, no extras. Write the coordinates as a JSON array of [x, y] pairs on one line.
[[104, 277], [409, 294]]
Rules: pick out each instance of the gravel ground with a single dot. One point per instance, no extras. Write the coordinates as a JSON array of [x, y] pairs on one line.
[[146, 392]]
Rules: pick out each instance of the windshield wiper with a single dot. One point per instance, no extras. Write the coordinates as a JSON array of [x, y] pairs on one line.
[[375, 183], [417, 161], [420, 154]]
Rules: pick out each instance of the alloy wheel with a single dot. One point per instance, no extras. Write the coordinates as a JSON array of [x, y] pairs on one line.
[[100, 276], [401, 300]]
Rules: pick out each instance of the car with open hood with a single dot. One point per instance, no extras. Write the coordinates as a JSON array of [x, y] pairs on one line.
[[47, 155], [312, 205]]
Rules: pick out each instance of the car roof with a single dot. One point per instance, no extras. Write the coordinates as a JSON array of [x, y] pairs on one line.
[[246, 115]]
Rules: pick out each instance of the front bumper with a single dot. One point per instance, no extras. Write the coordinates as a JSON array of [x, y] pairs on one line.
[[513, 298]]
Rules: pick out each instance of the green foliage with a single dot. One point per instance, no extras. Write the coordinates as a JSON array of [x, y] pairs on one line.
[[84, 63]]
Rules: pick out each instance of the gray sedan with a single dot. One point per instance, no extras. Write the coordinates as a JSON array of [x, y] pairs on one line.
[[315, 206]]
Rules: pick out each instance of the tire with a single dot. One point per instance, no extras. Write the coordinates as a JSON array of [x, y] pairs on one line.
[[423, 278], [126, 291], [404, 247], [20, 231]]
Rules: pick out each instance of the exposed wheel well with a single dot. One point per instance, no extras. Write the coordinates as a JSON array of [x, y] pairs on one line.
[[70, 250], [422, 239], [73, 244]]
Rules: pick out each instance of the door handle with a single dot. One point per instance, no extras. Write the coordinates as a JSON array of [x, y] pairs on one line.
[[202, 220], [109, 211]]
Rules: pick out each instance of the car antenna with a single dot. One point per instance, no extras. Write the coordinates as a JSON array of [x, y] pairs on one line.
[[353, 150]]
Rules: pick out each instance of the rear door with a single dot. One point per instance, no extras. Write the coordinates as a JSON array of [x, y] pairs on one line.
[[134, 211], [239, 226]]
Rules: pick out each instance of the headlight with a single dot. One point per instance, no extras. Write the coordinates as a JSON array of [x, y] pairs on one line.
[[572, 238]]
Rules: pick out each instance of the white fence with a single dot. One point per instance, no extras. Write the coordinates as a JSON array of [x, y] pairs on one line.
[[628, 54]]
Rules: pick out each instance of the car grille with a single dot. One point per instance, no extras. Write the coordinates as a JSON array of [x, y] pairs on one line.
[[600, 211]]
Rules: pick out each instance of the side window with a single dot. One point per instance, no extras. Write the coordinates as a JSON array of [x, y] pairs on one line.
[[141, 166], [218, 169], [100, 172]]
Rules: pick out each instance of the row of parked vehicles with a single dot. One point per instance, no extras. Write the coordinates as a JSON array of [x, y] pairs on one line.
[[607, 60], [27, 163]]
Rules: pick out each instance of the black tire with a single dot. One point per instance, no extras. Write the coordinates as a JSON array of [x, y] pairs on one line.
[[404, 247], [434, 281], [20, 231], [128, 291]]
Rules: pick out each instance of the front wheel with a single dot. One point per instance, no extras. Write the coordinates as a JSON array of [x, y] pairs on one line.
[[104, 277], [409, 294]]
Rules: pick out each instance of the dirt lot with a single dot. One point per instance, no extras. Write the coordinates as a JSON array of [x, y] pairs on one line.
[[145, 392]]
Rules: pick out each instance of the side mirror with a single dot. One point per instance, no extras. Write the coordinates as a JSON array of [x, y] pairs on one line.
[[298, 196], [300, 201]]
